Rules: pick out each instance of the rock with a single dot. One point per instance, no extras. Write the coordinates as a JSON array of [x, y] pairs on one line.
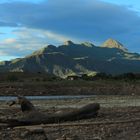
[[32, 129], [97, 138], [33, 133], [64, 137], [24, 134]]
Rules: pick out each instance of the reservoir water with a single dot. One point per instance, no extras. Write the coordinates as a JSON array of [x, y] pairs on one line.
[[6, 98], [79, 100]]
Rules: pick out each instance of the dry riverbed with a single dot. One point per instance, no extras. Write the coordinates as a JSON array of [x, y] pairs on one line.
[[65, 87], [119, 118]]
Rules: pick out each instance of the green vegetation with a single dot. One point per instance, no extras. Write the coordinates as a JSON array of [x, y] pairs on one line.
[[44, 84], [27, 77]]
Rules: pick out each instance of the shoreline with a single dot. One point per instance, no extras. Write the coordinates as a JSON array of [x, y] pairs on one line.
[[104, 100]]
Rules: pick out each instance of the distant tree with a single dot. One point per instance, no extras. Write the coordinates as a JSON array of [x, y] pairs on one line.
[[101, 75], [85, 77], [126, 76], [130, 76]]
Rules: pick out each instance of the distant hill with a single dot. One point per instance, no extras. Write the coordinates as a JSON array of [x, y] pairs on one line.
[[71, 59]]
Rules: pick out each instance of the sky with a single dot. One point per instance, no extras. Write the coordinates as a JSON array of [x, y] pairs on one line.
[[28, 25]]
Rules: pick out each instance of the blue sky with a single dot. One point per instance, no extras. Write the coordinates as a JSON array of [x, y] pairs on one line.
[[26, 26]]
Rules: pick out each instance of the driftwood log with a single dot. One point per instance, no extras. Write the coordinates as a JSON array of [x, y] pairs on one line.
[[24, 103], [34, 117]]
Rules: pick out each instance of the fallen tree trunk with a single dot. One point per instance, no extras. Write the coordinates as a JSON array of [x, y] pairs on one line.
[[36, 117]]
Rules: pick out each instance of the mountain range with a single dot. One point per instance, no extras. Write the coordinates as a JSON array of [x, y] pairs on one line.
[[71, 59]]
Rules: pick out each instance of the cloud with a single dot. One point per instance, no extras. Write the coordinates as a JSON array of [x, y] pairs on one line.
[[9, 1], [9, 40], [29, 40], [2, 53], [81, 19], [10, 24], [40, 35]]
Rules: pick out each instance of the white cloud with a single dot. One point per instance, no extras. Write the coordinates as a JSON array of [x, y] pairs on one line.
[[2, 53], [9, 40], [92, 20], [28, 40], [37, 35]]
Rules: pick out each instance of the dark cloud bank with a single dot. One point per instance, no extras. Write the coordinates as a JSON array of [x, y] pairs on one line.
[[92, 20]]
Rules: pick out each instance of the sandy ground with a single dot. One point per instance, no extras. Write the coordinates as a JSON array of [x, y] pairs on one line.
[[118, 119]]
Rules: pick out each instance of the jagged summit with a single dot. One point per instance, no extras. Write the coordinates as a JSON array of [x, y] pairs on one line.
[[87, 44], [44, 50], [111, 43], [74, 58], [68, 43]]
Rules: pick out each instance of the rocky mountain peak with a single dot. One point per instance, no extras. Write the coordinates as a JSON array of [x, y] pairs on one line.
[[73, 58], [111, 43], [68, 43], [44, 50], [87, 44]]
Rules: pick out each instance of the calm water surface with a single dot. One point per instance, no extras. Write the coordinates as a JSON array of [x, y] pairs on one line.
[[6, 98]]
